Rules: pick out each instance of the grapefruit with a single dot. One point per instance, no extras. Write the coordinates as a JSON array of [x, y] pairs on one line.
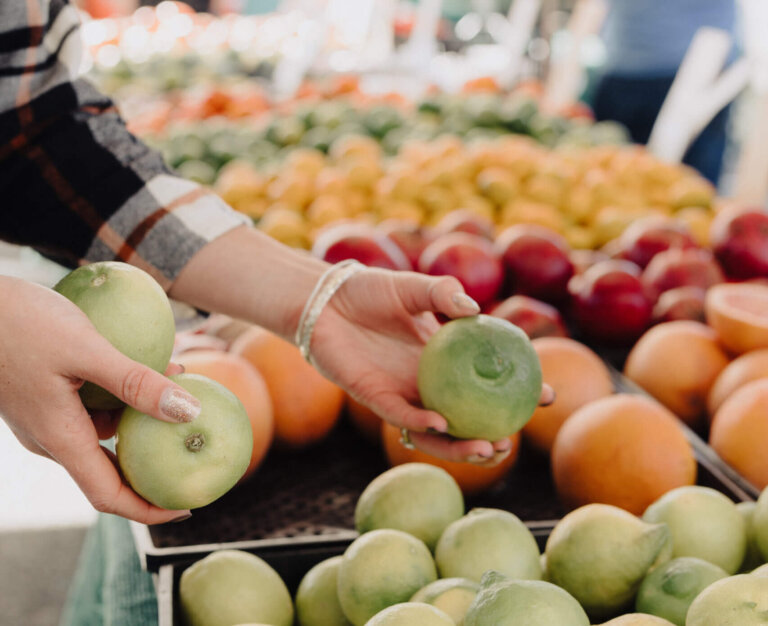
[[625, 450], [244, 380], [677, 363], [130, 309], [186, 465], [577, 375], [742, 370], [739, 314]]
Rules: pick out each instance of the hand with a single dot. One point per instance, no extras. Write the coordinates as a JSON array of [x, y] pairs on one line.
[[369, 340], [48, 348]]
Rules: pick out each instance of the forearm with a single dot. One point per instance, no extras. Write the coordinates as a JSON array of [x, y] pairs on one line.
[[249, 276]]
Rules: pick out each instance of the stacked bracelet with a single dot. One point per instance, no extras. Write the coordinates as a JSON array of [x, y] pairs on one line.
[[328, 284]]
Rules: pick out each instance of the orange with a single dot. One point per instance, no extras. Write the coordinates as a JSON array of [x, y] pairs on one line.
[[740, 431], [677, 363], [471, 478], [242, 379], [625, 450], [364, 420], [306, 405], [739, 314], [742, 370], [577, 375]]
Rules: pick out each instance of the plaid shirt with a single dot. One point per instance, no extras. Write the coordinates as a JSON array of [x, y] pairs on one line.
[[74, 183]]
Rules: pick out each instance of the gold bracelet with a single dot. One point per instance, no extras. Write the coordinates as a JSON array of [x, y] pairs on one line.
[[328, 284]]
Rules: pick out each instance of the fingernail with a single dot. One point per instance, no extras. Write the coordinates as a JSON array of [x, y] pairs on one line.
[[179, 405], [548, 395], [439, 429], [479, 459], [464, 302], [503, 446], [181, 518]]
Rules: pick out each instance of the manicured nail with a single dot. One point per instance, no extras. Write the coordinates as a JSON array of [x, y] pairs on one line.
[[479, 459], [503, 446], [179, 405], [181, 518], [547, 396], [464, 302], [439, 429]]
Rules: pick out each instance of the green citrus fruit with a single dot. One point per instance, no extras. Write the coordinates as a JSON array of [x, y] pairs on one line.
[[637, 619], [417, 498], [753, 558], [317, 599], [488, 539], [451, 595], [734, 601], [760, 521], [482, 374], [130, 309], [668, 590], [233, 587], [186, 465], [704, 524], [600, 554], [410, 614], [507, 602], [760, 571], [381, 568]]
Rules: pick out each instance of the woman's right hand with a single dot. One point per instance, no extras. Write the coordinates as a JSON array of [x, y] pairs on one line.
[[48, 348]]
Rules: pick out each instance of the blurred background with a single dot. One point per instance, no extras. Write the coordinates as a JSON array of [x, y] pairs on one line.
[[582, 116]]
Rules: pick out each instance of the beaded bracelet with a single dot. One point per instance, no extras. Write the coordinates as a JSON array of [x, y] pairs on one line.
[[328, 284]]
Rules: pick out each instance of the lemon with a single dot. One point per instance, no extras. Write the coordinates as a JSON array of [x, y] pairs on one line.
[[704, 523], [507, 602], [488, 539], [734, 601], [382, 568], [600, 554], [233, 587], [410, 614], [760, 521], [451, 595], [417, 498], [752, 558], [670, 588], [317, 600]]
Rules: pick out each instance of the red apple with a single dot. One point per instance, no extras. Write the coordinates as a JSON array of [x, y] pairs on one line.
[[536, 318], [584, 259], [681, 267], [609, 303], [409, 237], [463, 221], [681, 303], [537, 261], [739, 238], [646, 237], [361, 242], [470, 258]]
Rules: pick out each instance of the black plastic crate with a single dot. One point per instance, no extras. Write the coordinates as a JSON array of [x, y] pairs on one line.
[[304, 501]]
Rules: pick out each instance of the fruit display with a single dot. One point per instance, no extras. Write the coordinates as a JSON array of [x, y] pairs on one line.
[[600, 564]]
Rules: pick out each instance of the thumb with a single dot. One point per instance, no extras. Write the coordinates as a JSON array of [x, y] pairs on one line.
[[137, 385]]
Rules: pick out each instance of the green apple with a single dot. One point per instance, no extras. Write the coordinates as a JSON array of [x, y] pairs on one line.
[[130, 309], [234, 587], [186, 465]]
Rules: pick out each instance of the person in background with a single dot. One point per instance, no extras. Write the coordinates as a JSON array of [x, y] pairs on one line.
[[645, 42]]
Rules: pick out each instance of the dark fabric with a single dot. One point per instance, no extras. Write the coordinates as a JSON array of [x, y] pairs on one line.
[[636, 101]]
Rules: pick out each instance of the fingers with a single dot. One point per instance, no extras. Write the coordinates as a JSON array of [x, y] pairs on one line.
[[547, 396], [137, 385], [396, 410], [438, 294], [475, 451], [98, 478]]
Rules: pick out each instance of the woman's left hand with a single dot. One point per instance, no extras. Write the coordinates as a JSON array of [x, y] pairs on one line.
[[369, 340]]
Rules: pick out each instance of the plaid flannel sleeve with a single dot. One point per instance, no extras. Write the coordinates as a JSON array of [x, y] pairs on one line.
[[74, 183]]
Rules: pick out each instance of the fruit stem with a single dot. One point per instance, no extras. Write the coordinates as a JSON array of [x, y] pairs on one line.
[[195, 442]]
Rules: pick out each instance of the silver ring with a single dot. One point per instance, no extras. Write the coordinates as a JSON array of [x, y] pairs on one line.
[[405, 439]]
